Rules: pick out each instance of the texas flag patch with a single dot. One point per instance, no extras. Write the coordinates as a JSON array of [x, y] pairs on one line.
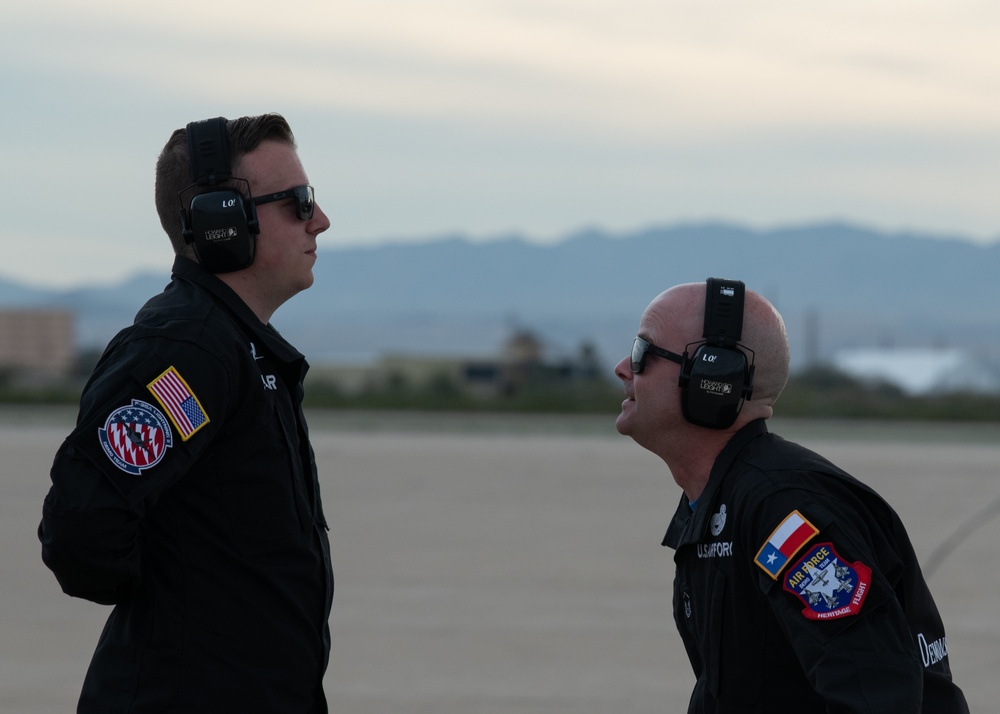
[[180, 403], [786, 540], [829, 586]]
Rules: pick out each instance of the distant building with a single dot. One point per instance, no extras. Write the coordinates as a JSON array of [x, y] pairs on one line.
[[919, 371], [523, 347], [37, 343], [521, 361], [481, 376]]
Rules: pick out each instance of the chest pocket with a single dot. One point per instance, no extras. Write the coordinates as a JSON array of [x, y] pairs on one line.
[[263, 492]]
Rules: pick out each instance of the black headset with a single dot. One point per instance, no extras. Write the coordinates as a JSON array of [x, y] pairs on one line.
[[717, 378], [219, 222]]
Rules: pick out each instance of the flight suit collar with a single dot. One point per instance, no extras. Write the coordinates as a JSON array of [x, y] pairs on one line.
[[689, 526], [277, 346]]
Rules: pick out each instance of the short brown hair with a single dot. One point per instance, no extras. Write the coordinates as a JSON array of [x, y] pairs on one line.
[[173, 167]]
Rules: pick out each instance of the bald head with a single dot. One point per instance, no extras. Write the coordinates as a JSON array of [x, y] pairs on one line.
[[764, 333], [654, 413], [680, 312]]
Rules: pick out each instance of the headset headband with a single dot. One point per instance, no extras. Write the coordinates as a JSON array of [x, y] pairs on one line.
[[208, 146], [723, 312]]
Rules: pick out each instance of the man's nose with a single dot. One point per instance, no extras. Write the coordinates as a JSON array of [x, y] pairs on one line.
[[319, 221], [623, 370]]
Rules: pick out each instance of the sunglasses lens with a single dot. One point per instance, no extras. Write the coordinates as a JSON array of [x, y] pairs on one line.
[[305, 202], [639, 347]]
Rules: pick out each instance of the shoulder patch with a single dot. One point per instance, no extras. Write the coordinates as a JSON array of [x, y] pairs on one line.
[[830, 587], [135, 437], [180, 403], [784, 542]]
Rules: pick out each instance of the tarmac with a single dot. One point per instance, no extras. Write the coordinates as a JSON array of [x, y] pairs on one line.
[[514, 566]]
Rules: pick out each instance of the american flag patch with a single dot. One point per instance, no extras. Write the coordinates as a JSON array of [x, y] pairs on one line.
[[180, 403]]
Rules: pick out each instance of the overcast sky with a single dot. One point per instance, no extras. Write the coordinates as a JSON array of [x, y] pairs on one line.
[[418, 118]]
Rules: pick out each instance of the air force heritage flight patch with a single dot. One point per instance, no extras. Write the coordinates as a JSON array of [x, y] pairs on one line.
[[135, 437], [830, 587], [182, 406]]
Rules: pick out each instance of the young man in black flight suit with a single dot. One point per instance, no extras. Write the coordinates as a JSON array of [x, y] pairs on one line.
[[796, 587], [187, 495]]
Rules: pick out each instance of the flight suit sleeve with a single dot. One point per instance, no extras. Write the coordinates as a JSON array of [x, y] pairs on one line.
[[149, 411], [831, 586]]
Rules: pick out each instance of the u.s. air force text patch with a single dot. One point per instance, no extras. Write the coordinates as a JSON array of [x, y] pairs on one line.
[[135, 437], [829, 586]]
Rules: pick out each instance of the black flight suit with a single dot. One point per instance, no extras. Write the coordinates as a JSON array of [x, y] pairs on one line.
[[187, 497], [845, 624]]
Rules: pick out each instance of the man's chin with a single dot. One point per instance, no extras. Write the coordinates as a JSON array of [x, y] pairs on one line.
[[621, 424]]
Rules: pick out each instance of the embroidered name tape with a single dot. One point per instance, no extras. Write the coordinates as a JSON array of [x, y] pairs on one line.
[[786, 540], [180, 403], [829, 587]]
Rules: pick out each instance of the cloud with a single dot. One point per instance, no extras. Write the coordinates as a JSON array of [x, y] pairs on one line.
[[494, 116], [626, 67]]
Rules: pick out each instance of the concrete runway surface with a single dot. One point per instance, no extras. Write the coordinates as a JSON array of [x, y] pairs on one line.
[[516, 566]]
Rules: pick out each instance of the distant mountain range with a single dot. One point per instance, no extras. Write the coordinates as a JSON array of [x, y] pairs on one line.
[[837, 285]]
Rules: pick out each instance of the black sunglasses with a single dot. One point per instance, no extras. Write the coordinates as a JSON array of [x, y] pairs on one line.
[[305, 200], [641, 348]]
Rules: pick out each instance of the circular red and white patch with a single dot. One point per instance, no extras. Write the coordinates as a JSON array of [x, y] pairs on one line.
[[136, 437]]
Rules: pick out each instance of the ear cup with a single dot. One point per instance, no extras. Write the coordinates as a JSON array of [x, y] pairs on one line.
[[222, 228], [714, 383]]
